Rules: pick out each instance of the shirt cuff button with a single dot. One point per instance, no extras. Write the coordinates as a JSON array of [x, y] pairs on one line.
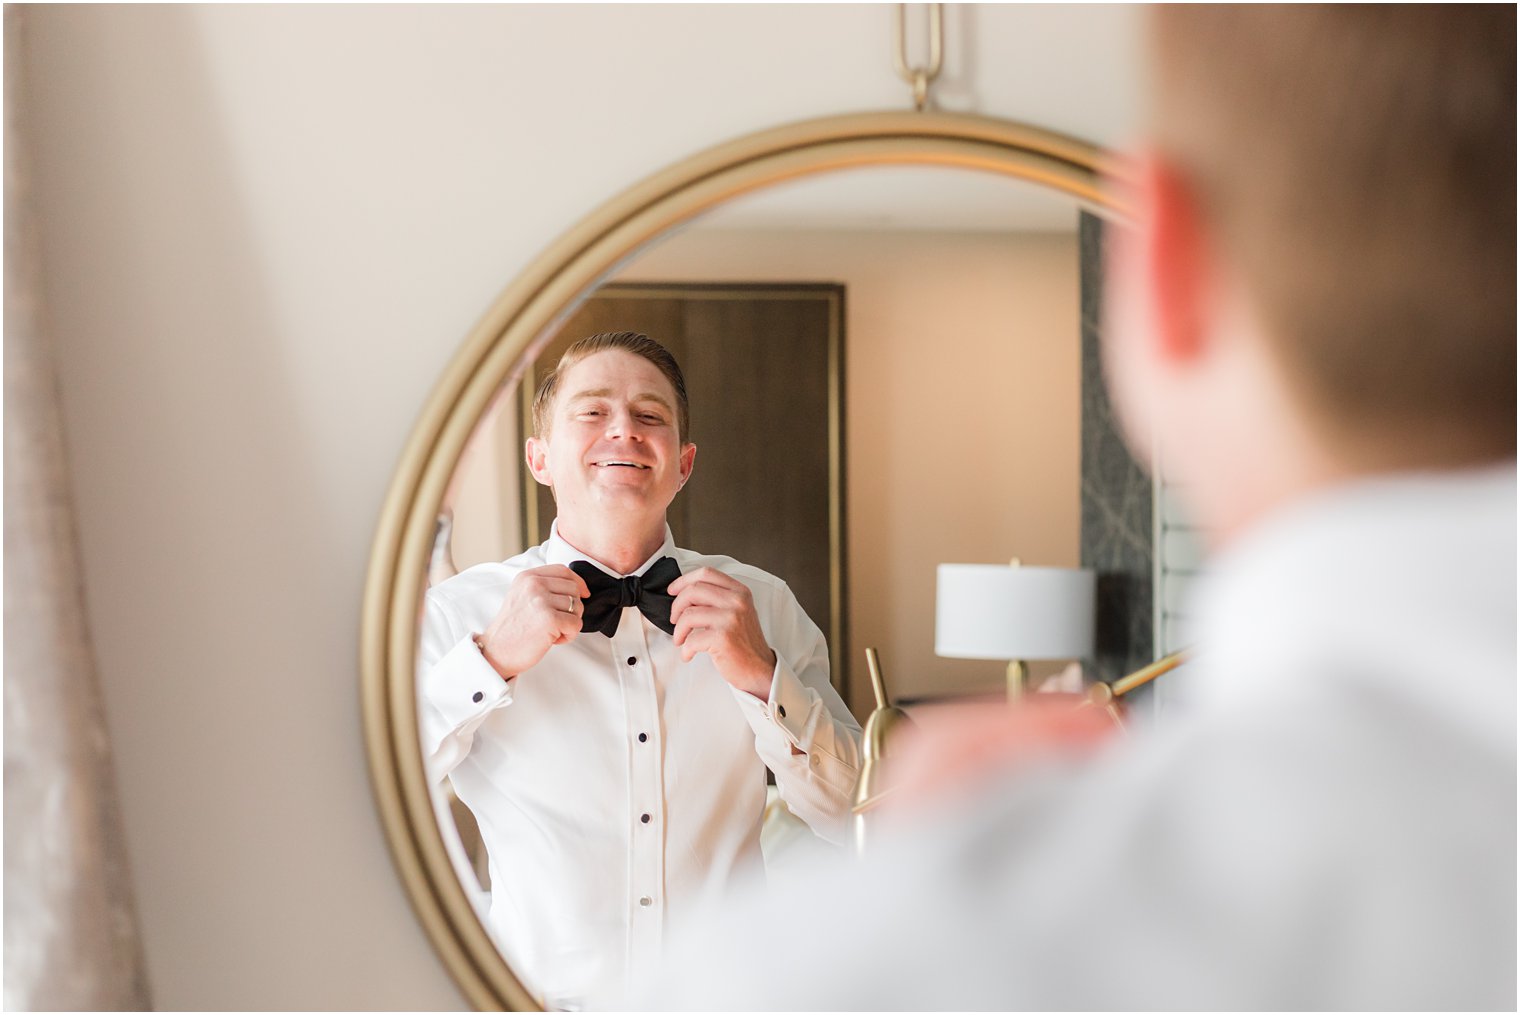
[[781, 711], [478, 697]]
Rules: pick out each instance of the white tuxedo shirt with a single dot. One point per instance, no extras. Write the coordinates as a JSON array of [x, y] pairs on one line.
[[618, 788], [1331, 826]]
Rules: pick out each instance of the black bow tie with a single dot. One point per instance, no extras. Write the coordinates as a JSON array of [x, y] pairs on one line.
[[610, 595]]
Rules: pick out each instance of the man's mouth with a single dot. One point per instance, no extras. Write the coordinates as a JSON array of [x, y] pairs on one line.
[[617, 464]]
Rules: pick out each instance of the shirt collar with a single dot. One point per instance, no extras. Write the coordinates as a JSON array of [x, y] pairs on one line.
[[1377, 565], [558, 551]]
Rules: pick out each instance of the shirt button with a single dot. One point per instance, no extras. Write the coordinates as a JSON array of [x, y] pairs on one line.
[[478, 697], [633, 660], [644, 818], [643, 737], [781, 711], [645, 900]]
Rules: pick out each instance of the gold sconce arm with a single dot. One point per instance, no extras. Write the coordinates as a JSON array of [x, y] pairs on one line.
[[1101, 695], [869, 793], [874, 748]]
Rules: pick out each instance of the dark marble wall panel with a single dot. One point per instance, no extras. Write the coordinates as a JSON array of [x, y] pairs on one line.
[[1117, 535]]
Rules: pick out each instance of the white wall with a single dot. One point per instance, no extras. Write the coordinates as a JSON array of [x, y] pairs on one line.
[[265, 230]]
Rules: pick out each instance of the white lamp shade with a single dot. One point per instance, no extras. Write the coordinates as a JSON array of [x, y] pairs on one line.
[[994, 611]]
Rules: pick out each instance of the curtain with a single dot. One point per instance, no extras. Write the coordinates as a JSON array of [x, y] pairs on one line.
[[71, 939]]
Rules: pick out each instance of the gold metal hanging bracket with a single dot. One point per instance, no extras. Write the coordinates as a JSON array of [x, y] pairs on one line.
[[919, 77]]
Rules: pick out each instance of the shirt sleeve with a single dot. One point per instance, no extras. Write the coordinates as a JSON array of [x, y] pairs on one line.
[[458, 689], [803, 731]]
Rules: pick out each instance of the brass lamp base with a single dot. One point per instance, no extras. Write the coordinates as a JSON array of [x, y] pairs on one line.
[[1018, 680]]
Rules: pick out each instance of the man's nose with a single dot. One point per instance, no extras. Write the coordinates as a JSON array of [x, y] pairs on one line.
[[620, 423]]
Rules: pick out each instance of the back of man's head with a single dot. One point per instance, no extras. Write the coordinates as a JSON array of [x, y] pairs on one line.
[[1356, 166]]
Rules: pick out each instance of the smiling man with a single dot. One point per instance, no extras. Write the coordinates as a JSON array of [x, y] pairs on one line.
[[606, 704]]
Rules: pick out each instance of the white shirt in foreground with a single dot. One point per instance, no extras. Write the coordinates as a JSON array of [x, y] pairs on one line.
[[618, 788], [1332, 826]]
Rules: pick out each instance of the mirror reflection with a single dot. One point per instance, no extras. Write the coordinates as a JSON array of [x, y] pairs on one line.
[[646, 607]]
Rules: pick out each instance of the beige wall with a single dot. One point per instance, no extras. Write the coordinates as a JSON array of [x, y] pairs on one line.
[[486, 495], [962, 413], [265, 231]]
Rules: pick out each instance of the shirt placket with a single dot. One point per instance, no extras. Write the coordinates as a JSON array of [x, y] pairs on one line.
[[646, 797]]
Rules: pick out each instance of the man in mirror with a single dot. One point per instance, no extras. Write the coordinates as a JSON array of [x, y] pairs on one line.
[[1316, 325], [607, 704]]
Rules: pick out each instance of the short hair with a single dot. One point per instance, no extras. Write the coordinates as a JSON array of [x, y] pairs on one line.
[[628, 341], [1357, 165]]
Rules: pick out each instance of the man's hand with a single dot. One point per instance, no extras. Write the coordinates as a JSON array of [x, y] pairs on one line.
[[954, 747], [714, 613], [542, 609]]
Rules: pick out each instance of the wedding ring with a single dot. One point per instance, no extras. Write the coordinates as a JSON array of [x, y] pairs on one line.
[[571, 607]]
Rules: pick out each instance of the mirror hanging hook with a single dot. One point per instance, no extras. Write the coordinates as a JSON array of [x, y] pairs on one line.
[[919, 77]]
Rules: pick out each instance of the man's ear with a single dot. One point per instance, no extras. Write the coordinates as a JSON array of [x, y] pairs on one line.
[[688, 461], [1177, 260], [537, 454]]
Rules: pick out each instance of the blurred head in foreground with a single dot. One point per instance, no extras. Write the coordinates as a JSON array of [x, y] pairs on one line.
[[1321, 283], [1313, 319]]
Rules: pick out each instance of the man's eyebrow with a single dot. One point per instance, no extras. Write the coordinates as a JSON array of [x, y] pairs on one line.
[[644, 396], [652, 396]]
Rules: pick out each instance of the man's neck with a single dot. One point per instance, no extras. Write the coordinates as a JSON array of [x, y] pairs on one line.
[[1303, 461], [612, 546]]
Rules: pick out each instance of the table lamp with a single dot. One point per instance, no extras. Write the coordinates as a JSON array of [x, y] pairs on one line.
[[1008, 611]]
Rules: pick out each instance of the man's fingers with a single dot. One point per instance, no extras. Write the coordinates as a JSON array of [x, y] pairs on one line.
[[567, 626], [956, 744], [565, 600], [703, 576], [695, 618], [705, 595], [562, 579], [562, 606], [559, 573], [559, 588], [692, 598], [700, 639]]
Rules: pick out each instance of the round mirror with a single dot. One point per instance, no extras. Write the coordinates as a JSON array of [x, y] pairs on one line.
[[881, 321]]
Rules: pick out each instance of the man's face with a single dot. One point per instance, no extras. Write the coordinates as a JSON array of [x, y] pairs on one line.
[[612, 447]]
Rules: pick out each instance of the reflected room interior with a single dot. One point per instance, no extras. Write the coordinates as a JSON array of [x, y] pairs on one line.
[[890, 368], [961, 390]]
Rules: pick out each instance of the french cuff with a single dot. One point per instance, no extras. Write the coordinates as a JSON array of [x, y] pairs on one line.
[[462, 685], [786, 712]]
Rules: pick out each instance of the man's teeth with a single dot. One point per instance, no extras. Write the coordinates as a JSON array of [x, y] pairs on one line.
[[631, 465]]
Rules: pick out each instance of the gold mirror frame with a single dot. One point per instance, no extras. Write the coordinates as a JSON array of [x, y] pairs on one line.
[[496, 351]]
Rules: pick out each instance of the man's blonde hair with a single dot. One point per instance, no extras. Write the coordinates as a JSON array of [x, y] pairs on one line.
[[1357, 165], [628, 341]]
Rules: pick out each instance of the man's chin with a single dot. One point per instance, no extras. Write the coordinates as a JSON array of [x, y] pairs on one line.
[[628, 494], [623, 481]]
